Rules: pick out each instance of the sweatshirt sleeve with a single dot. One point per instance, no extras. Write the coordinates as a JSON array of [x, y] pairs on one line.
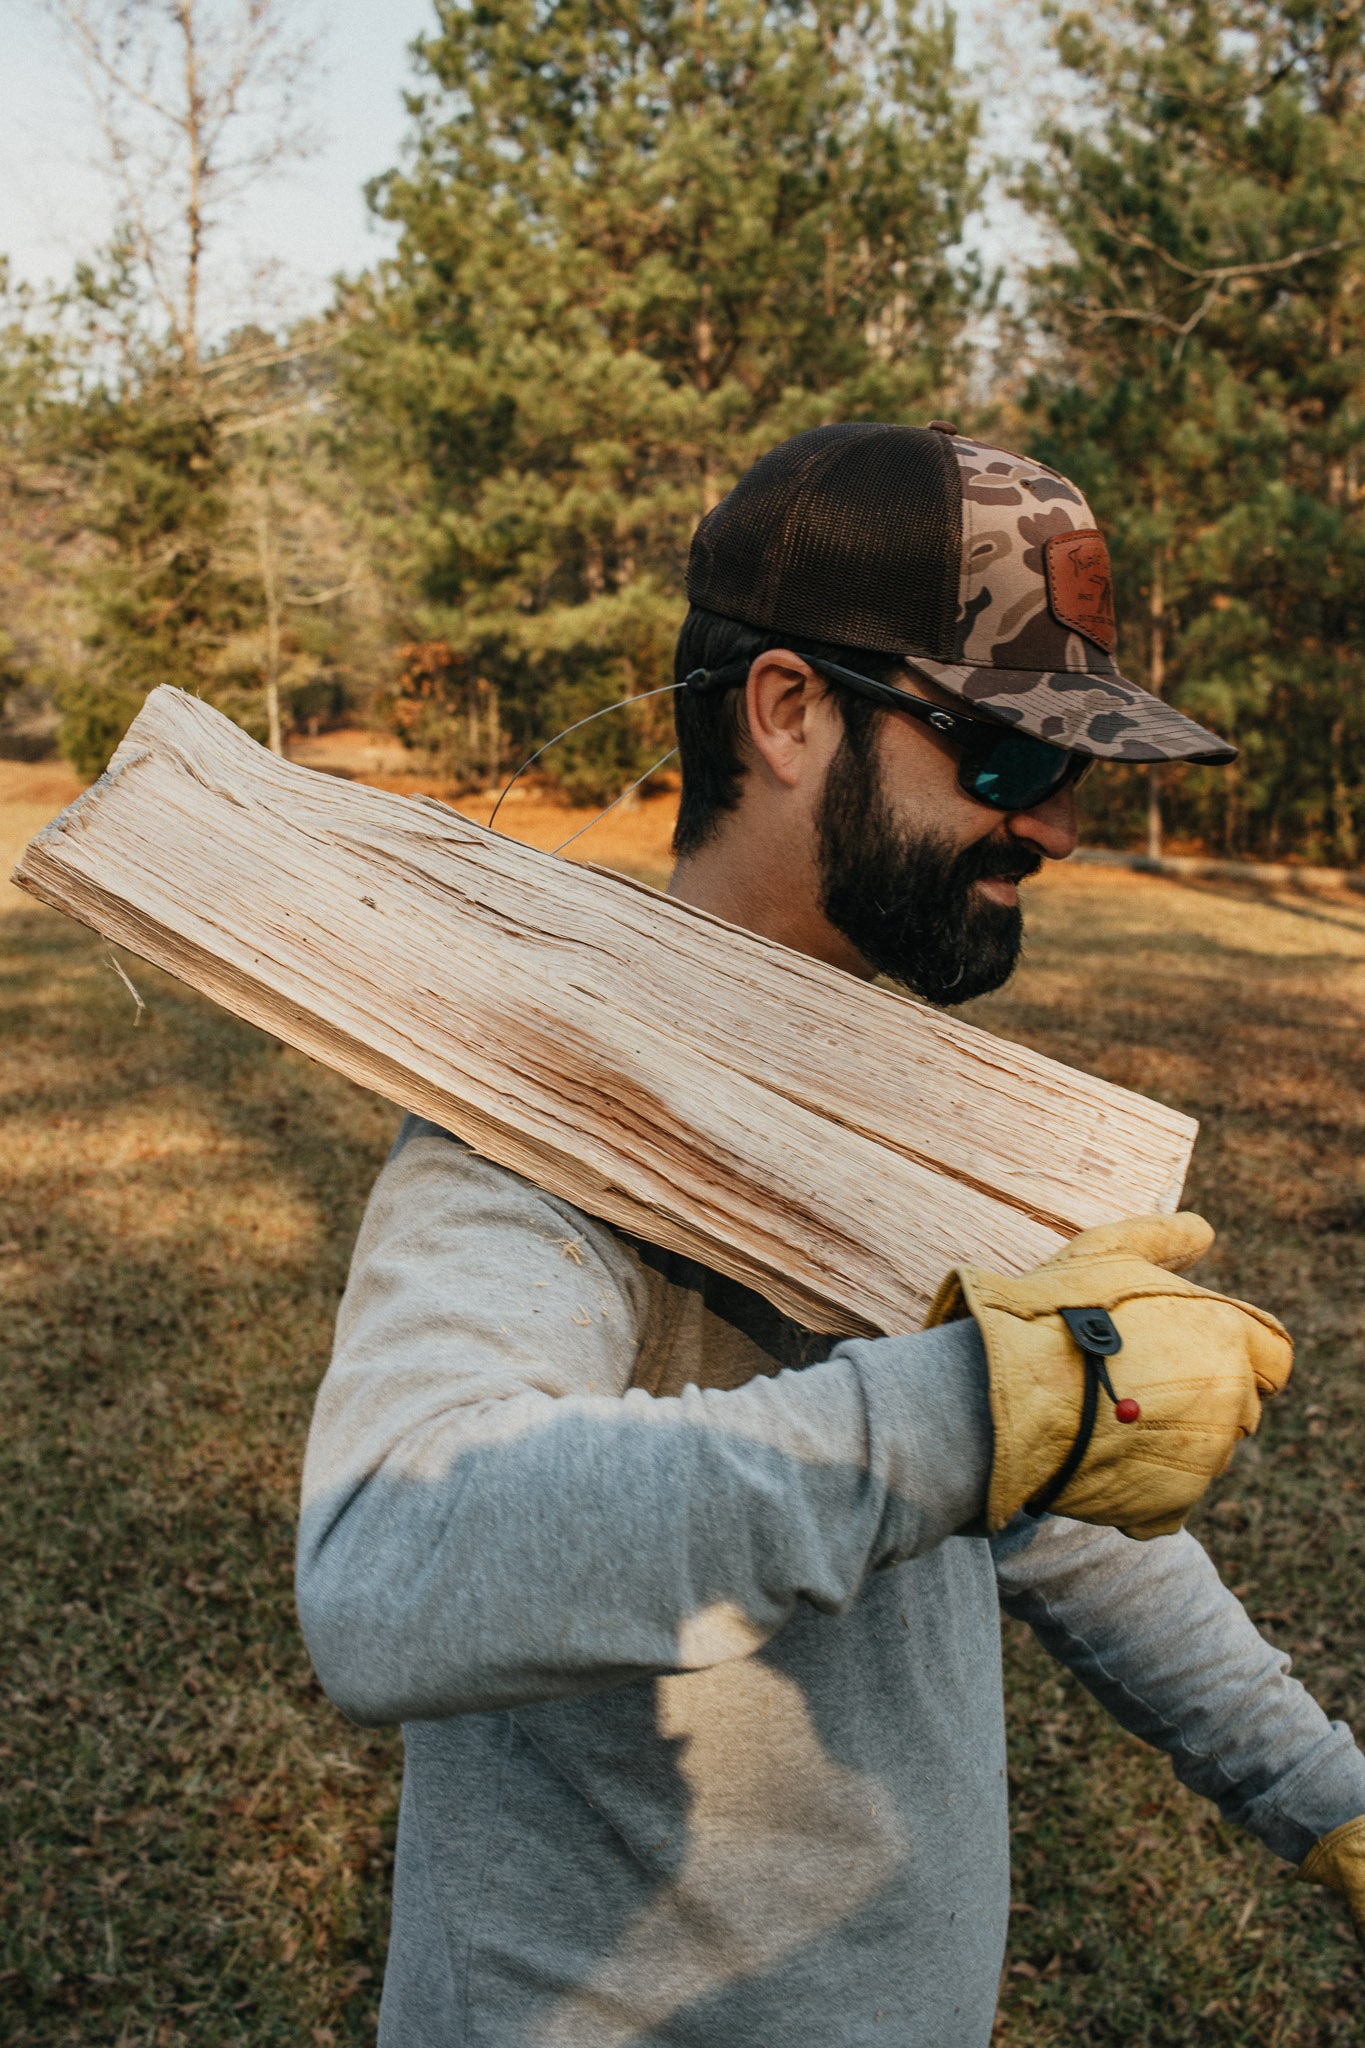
[[492, 1515], [1151, 1630]]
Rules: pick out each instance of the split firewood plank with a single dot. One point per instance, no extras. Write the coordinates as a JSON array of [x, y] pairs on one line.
[[833, 1145]]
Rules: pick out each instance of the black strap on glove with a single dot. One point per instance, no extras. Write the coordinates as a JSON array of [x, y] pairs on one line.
[[1094, 1332]]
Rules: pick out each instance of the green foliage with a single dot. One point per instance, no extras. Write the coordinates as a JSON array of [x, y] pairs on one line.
[[208, 541], [1206, 383], [94, 719], [11, 672], [159, 599], [31, 371], [30, 366], [638, 247]]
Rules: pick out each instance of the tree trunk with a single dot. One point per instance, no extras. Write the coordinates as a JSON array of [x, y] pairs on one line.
[[703, 342], [494, 730], [193, 125], [1345, 843], [1156, 676], [269, 568]]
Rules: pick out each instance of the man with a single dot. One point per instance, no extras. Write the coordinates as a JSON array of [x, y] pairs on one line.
[[691, 1616]]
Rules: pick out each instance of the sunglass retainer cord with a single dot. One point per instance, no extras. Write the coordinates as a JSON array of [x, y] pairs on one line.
[[531, 759]]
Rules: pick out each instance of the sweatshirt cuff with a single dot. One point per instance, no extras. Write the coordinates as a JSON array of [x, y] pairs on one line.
[[929, 1434], [1323, 1793]]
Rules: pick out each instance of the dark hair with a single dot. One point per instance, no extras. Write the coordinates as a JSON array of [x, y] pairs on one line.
[[711, 725]]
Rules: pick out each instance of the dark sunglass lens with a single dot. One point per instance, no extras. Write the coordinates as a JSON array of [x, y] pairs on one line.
[[1013, 771]]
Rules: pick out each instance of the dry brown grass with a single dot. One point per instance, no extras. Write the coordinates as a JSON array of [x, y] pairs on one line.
[[1141, 1918], [199, 1847]]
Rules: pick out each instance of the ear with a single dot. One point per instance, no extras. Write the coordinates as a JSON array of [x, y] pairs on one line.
[[794, 723]]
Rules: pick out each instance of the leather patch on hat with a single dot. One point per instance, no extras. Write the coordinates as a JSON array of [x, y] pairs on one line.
[[1080, 588]]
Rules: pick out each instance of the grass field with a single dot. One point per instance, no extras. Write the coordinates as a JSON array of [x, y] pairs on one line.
[[198, 1848]]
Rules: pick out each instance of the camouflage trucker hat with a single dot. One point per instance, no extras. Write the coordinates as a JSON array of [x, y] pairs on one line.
[[982, 570]]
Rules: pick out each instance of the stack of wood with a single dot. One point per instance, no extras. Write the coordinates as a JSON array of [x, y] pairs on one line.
[[831, 1144]]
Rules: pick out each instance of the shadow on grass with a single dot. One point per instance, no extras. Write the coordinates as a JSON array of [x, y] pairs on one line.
[[198, 1844]]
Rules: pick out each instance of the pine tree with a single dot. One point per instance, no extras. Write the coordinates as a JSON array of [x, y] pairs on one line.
[[216, 547], [157, 599], [637, 247], [34, 518], [1207, 318], [195, 105]]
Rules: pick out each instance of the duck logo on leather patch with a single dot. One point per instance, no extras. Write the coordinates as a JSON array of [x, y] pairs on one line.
[[1080, 588]]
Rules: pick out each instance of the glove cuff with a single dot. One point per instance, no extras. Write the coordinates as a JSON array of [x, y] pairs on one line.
[[949, 1304], [1338, 1861], [1017, 1471]]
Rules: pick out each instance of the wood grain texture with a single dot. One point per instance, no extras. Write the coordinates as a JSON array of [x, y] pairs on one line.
[[835, 1146]]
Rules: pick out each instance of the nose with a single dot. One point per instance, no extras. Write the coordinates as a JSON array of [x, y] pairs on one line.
[[1050, 826]]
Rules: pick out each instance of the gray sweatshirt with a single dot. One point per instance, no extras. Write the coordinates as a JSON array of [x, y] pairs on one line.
[[695, 1638]]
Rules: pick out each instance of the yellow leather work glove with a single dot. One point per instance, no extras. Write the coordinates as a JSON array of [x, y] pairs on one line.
[[1182, 1372], [1338, 1861]]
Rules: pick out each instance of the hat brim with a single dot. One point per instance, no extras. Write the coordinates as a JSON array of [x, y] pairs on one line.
[[1105, 716]]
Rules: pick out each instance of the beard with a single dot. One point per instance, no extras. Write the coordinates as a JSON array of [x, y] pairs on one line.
[[905, 900]]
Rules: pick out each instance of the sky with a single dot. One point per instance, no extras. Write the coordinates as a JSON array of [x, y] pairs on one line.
[[308, 223], [275, 261]]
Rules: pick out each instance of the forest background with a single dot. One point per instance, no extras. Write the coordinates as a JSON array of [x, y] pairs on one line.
[[449, 498], [632, 246]]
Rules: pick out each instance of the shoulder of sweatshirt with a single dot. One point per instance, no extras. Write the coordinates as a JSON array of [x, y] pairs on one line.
[[451, 1241], [468, 1285]]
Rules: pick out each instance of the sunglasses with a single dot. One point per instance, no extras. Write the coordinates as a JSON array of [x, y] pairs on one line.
[[998, 766]]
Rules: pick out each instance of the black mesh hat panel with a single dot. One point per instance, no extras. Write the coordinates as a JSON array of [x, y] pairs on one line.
[[981, 568], [847, 534]]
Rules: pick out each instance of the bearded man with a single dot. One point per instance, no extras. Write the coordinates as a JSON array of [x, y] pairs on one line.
[[691, 1616]]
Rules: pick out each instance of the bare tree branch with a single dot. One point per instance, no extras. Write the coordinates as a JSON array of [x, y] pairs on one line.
[[326, 596], [1215, 278], [196, 101], [1225, 272], [226, 369], [251, 423]]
